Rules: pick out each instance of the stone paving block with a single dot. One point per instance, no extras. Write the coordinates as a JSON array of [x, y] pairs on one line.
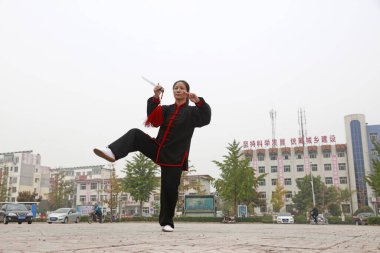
[[188, 237]]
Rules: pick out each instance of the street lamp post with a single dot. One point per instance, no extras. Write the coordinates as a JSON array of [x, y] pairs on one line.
[[312, 188]]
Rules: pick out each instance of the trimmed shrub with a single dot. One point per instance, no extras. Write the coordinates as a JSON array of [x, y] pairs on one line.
[[300, 219], [373, 220], [267, 219]]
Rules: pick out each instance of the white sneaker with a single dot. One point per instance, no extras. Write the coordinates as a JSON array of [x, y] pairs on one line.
[[168, 228], [105, 153]]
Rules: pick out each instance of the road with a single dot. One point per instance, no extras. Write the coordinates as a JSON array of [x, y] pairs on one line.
[[188, 237]]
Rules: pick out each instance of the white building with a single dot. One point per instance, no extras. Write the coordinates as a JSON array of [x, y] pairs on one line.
[[288, 164], [90, 183], [22, 171]]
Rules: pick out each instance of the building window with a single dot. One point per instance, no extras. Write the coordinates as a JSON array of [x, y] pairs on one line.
[[263, 209], [83, 186], [299, 156], [328, 180], [373, 137], [96, 171], [274, 181], [82, 198], [326, 154], [287, 168], [313, 155], [36, 180], [346, 208], [93, 198], [89, 173], [342, 166], [314, 167], [77, 174], [343, 180], [14, 189], [261, 169], [262, 195], [341, 154], [288, 195], [94, 186], [261, 157], [262, 182], [16, 169], [299, 168], [14, 180], [273, 169], [288, 181], [327, 166], [13, 199], [36, 170], [273, 157], [286, 157]]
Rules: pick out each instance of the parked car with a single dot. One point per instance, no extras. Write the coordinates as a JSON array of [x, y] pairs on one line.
[[284, 218], [63, 215], [361, 218], [15, 212]]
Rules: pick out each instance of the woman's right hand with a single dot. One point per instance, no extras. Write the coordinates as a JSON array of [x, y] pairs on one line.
[[158, 89]]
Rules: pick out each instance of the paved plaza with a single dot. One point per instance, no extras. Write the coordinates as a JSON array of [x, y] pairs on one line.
[[188, 237]]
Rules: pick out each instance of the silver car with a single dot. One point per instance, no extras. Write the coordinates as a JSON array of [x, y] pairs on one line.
[[63, 215]]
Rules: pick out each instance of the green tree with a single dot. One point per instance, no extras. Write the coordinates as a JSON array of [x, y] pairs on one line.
[[60, 191], [3, 185], [303, 199], [373, 179], [140, 179], [278, 197], [237, 183], [27, 196], [114, 189]]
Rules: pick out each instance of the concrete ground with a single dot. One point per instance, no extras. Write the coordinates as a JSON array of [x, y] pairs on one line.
[[188, 237]]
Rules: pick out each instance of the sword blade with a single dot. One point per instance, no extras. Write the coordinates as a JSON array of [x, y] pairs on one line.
[[148, 81]]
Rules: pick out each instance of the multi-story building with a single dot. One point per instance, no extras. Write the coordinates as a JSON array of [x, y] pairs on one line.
[[22, 171], [360, 139], [286, 165], [90, 183]]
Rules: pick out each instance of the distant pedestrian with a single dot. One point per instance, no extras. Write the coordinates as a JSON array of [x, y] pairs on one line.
[[170, 149]]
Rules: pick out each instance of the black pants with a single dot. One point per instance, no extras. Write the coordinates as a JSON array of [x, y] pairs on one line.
[[137, 140]]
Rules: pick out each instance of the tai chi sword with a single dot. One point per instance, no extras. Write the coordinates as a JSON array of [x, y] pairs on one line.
[[150, 82]]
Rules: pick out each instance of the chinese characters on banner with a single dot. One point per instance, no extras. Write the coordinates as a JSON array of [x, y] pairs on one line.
[[254, 166], [335, 171], [256, 144], [307, 164], [281, 170]]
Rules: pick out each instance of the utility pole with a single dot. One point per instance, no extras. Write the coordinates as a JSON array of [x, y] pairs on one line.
[[312, 188]]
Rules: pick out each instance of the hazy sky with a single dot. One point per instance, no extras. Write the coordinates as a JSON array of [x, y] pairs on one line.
[[70, 71]]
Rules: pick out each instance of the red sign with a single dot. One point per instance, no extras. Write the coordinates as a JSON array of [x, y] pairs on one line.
[[299, 141]]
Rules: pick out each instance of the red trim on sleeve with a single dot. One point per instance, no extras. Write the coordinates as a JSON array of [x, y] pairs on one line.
[[156, 100], [200, 103]]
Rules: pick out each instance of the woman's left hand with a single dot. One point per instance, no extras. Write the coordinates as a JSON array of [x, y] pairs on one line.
[[193, 97]]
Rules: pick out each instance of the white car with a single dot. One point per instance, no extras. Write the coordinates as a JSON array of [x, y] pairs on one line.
[[285, 218], [63, 215]]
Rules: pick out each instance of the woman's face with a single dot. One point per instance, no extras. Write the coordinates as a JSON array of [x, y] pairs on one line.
[[179, 91]]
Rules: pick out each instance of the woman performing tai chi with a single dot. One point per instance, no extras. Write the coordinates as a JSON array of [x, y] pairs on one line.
[[170, 149]]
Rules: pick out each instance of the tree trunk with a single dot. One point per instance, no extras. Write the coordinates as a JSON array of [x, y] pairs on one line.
[[141, 206]]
